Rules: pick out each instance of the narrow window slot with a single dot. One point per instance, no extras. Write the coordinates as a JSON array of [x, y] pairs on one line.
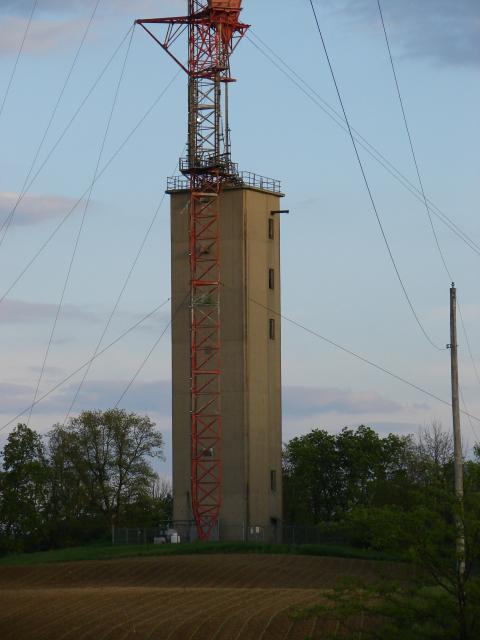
[[271, 329], [273, 480], [271, 279], [271, 228]]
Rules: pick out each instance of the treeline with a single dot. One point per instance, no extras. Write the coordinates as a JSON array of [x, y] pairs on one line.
[[394, 494], [70, 486], [365, 489]]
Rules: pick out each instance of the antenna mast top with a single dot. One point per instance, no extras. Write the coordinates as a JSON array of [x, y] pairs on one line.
[[214, 31]]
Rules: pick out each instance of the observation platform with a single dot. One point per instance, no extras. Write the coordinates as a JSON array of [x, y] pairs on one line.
[[239, 180]]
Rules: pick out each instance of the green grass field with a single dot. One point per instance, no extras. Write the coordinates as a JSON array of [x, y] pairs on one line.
[[111, 552]]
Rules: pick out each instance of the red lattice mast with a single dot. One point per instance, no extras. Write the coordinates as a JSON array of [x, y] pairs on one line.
[[214, 31]]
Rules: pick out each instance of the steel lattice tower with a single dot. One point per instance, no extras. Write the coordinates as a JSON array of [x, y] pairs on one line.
[[214, 30]]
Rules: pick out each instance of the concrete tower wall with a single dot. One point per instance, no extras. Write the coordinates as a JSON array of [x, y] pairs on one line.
[[251, 360]]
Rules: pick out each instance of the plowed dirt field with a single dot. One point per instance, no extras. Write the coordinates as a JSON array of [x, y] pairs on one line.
[[215, 597]]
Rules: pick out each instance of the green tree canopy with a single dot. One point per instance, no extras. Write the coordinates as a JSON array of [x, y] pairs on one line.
[[327, 475], [24, 489], [107, 453]]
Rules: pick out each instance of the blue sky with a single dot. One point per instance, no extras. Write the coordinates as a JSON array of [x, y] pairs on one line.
[[337, 278]]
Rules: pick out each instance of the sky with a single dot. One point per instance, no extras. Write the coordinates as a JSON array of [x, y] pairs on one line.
[[337, 278]]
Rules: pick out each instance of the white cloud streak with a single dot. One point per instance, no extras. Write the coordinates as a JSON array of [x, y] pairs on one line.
[[18, 311], [33, 209], [44, 35], [307, 401]]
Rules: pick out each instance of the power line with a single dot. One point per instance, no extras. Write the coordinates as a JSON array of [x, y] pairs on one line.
[[472, 428], [420, 182], [143, 364], [82, 222], [334, 115], [470, 352], [22, 192], [33, 179], [469, 346], [359, 357], [85, 364], [100, 174], [150, 353], [17, 60], [114, 309], [367, 185], [337, 118], [117, 302], [410, 140]]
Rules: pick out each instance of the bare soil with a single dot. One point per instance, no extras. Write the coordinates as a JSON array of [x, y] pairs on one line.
[[217, 597]]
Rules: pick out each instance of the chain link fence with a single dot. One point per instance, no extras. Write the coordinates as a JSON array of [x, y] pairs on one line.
[[178, 532]]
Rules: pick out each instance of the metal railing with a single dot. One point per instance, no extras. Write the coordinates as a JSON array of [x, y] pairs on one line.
[[241, 179], [256, 181], [207, 163]]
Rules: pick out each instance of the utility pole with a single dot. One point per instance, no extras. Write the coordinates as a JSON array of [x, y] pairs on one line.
[[457, 434]]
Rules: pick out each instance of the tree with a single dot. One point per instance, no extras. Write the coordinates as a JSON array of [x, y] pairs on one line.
[[24, 490], [152, 508], [327, 476], [434, 455], [436, 602], [312, 482], [107, 454]]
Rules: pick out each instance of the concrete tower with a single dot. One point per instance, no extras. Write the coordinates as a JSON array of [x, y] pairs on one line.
[[225, 301], [251, 359]]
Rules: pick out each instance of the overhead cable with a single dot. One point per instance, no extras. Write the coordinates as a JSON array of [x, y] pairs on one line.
[[150, 353], [369, 190], [472, 428], [143, 364], [52, 150], [410, 140], [420, 182], [82, 223], [80, 199], [361, 358], [117, 303], [338, 119], [17, 59], [9, 219], [85, 364]]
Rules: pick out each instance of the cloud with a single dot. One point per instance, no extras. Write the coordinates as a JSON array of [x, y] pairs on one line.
[[143, 397], [52, 371], [56, 23], [400, 428], [446, 32], [309, 401], [33, 209], [14, 397], [44, 35], [24, 7], [19, 311], [154, 397]]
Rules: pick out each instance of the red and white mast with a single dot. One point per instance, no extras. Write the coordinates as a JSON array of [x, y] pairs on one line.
[[214, 30]]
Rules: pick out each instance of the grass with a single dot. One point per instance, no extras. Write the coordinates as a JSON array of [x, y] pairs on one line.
[[111, 552]]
